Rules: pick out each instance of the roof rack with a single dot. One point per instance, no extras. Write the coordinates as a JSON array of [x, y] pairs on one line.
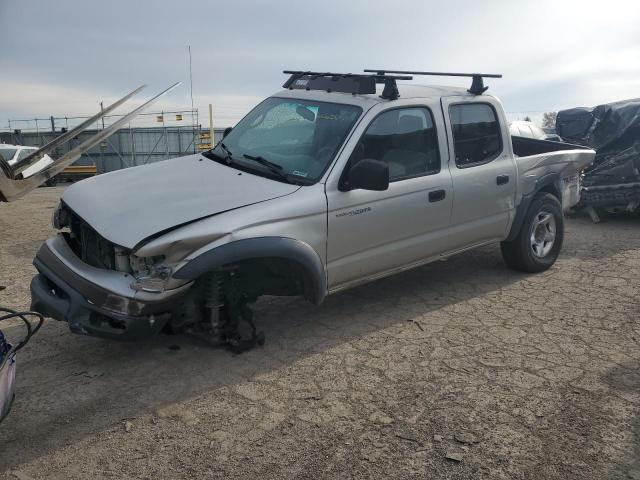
[[356, 84], [477, 84]]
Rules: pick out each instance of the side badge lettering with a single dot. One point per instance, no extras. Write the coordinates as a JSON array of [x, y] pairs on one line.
[[350, 213]]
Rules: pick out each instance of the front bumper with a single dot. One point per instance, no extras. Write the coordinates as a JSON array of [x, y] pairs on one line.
[[94, 301]]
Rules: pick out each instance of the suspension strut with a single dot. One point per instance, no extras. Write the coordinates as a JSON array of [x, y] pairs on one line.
[[213, 300], [227, 306]]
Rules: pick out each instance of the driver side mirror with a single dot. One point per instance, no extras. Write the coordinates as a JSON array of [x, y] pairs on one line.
[[369, 174]]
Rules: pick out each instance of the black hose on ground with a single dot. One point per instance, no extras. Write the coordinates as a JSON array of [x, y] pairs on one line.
[[8, 355]]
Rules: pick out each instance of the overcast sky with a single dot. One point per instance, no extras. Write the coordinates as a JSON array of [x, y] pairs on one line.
[[62, 57]]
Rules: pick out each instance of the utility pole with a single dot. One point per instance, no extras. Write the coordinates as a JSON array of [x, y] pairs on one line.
[[102, 144], [211, 125], [193, 126]]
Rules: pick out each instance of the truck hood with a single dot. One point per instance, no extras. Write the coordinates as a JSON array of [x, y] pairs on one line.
[[130, 205]]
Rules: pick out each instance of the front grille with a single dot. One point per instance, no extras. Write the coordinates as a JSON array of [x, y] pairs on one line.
[[88, 245]]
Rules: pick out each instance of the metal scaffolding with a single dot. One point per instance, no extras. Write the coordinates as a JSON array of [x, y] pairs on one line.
[[174, 134]]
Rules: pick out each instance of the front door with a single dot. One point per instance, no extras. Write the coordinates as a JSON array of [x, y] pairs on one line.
[[372, 232]]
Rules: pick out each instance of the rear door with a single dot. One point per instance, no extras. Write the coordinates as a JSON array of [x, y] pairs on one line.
[[371, 233], [482, 168]]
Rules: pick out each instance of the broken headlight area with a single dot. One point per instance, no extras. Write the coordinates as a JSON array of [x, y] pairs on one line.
[[60, 217], [150, 274]]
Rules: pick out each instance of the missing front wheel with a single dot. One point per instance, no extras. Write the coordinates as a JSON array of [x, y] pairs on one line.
[[228, 320]]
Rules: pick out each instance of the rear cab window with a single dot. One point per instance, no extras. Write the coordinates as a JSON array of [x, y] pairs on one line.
[[476, 131]]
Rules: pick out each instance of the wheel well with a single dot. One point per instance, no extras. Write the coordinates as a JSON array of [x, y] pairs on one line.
[[268, 264], [242, 282], [272, 276], [553, 190], [550, 187]]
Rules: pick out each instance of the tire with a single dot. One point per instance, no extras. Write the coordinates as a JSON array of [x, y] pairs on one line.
[[539, 241]]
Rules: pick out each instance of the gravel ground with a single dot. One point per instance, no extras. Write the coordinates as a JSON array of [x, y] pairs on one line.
[[458, 370]]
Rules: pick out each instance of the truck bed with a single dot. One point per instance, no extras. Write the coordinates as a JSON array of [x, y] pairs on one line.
[[538, 158]]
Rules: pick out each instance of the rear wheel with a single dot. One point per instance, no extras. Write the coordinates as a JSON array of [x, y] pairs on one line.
[[539, 241]]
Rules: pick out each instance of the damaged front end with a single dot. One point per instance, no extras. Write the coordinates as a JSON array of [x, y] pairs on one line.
[[102, 289], [96, 301]]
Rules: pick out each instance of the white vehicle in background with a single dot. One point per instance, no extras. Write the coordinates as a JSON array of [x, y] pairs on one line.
[[523, 128], [12, 154]]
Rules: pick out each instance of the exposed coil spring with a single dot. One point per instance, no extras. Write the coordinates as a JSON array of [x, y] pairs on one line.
[[213, 289]]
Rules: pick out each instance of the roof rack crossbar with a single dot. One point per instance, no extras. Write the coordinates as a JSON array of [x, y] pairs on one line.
[[354, 83], [477, 84], [381, 77]]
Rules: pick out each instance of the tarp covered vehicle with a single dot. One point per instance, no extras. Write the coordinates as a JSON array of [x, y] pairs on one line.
[[613, 130]]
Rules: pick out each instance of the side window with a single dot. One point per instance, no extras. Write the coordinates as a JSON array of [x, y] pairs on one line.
[[405, 139], [476, 133]]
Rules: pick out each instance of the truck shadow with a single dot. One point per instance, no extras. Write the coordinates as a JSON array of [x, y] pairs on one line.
[[70, 386]]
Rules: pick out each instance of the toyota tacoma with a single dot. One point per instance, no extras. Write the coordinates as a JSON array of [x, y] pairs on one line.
[[335, 181]]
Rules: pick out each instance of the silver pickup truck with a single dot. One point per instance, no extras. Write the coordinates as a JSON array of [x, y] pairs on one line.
[[335, 181]]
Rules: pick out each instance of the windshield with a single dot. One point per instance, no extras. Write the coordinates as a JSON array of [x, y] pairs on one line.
[[300, 136], [7, 153]]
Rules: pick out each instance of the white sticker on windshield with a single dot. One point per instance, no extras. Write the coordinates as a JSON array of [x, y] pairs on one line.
[[298, 173]]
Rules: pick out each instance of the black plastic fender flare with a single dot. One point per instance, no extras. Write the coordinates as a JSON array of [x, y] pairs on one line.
[[263, 247], [542, 183]]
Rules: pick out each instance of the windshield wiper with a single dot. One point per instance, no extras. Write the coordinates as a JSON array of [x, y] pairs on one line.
[[273, 167], [264, 161], [279, 171], [227, 157]]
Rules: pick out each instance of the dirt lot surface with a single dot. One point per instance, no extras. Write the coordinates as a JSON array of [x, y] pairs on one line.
[[458, 370]]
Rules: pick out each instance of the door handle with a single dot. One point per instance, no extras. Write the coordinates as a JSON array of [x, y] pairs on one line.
[[502, 179], [437, 195]]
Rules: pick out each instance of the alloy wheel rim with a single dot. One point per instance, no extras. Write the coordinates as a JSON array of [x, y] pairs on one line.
[[543, 234]]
